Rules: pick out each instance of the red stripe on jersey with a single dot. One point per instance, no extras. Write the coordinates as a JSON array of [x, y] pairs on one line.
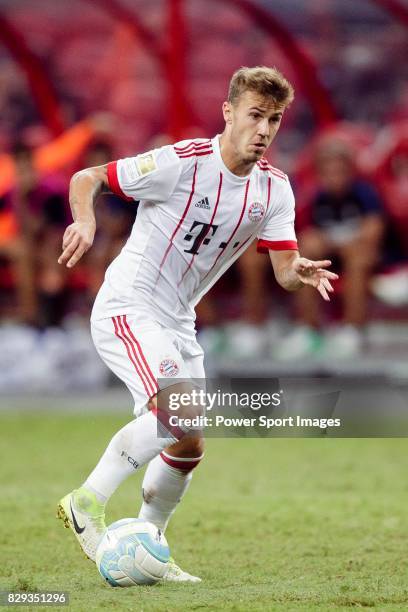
[[264, 162], [135, 363], [269, 193], [113, 181], [234, 232], [277, 171], [182, 217], [267, 208], [262, 166], [147, 369], [264, 246], [211, 220], [195, 153], [283, 177], [185, 466], [265, 165], [193, 145]]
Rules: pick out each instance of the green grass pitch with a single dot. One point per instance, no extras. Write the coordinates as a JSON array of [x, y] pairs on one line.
[[284, 524]]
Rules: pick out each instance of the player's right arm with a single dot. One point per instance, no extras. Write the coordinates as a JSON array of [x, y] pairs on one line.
[[84, 188], [150, 176]]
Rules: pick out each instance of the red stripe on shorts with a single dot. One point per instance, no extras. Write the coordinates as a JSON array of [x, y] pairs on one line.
[[152, 386], [135, 363], [146, 368]]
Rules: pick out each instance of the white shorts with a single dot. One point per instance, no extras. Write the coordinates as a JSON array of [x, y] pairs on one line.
[[144, 354]]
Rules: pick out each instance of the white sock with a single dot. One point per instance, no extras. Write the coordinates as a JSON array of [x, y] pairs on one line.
[[164, 485], [130, 448]]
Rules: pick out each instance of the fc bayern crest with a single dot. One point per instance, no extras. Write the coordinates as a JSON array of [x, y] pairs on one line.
[[256, 212], [168, 367]]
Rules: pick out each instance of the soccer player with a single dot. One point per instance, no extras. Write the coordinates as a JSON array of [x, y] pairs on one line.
[[202, 204]]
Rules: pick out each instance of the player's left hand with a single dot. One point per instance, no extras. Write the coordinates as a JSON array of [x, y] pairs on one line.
[[313, 273]]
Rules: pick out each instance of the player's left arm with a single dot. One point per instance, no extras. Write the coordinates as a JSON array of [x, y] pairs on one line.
[[294, 272], [278, 237]]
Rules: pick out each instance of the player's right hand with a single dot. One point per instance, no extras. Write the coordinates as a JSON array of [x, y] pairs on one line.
[[77, 240]]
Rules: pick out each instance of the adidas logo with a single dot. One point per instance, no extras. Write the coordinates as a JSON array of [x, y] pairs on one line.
[[204, 203]]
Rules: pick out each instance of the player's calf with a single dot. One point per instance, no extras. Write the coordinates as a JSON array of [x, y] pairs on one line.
[[165, 483]]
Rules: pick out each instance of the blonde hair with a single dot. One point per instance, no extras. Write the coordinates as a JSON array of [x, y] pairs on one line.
[[268, 82]]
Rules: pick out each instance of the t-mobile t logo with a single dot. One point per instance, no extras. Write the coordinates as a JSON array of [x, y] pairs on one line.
[[198, 232]]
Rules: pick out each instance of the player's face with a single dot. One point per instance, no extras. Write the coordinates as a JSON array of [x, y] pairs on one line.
[[253, 121]]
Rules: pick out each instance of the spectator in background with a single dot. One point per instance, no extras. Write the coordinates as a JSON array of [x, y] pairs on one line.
[[41, 210], [37, 210], [15, 258], [392, 177], [248, 336], [346, 221], [391, 172]]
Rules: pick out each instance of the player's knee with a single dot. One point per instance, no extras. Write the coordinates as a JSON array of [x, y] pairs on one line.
[[190, 446], [193, 446]]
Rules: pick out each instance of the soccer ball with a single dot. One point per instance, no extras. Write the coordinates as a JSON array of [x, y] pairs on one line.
[[131, 552]]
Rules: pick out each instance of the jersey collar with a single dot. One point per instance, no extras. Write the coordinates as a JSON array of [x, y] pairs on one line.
[[233, 177]]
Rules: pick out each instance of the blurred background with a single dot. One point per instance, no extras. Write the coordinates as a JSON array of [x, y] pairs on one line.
[[84, 82]]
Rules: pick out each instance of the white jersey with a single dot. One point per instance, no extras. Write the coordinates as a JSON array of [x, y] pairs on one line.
[[194, 220]]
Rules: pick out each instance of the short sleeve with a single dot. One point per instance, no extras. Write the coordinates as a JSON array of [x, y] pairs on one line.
[[150, 176], [278, 232]]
